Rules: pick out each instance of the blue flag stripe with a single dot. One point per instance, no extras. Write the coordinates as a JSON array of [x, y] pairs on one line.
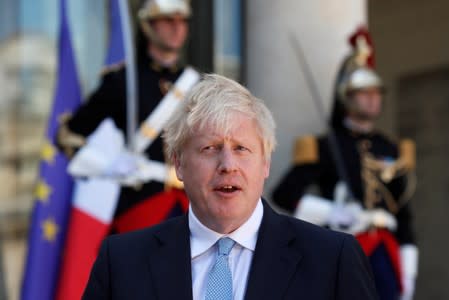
[[115, 48]]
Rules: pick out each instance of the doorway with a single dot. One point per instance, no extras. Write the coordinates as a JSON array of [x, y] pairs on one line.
[[422, 114]]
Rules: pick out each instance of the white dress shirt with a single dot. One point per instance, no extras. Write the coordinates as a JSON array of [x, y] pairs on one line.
[[204, 251]]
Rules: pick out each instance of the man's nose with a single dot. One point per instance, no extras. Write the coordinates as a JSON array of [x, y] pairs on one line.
[[227, 161]]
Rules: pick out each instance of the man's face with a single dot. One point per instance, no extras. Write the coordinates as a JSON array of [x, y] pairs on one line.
[[171, 31], [366, 104], [224, 175]]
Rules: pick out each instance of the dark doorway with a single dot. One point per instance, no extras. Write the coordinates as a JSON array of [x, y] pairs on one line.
[[423, 115]]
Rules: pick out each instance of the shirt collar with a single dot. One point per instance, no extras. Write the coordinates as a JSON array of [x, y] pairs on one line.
[[202, 238]]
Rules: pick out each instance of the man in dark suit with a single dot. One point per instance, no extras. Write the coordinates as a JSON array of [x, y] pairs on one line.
[[231, 245]]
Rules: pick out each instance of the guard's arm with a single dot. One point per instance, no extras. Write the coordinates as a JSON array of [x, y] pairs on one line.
[[305, 170]]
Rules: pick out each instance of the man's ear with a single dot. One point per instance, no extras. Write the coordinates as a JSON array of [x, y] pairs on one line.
[[178, 167], [267, 168]]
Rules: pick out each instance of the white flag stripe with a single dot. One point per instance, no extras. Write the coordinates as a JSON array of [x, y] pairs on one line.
[[97, 198]]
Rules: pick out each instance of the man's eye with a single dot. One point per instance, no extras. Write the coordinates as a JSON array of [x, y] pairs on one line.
[[241, 148], [209, 148]]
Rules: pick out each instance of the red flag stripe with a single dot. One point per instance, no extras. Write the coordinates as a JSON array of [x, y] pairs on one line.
[[83, 241]]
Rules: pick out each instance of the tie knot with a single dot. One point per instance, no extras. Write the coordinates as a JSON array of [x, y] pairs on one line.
[[225, 245]]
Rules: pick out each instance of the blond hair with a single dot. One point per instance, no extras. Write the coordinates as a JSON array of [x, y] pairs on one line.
[[214, 101]]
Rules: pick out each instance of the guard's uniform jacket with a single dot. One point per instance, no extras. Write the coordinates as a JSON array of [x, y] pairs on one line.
[[109, 100], [377, 171]]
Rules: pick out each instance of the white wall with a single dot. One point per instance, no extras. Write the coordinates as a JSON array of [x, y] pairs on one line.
[[273, 70]]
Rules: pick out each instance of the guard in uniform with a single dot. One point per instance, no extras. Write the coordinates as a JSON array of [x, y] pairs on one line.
[[162, 33], [369, 195]]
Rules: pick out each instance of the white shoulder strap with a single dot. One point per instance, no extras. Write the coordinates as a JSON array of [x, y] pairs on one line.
[[155, 122]]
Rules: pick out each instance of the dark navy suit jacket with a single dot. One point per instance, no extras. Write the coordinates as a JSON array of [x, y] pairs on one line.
[[292, 260]]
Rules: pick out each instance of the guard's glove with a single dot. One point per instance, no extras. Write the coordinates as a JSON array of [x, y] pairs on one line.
[[322, 211], [126, 168], [344, 216], [409, 267], [105, 155], [102, 148], [133, 170], [123, 165], [344, 212]]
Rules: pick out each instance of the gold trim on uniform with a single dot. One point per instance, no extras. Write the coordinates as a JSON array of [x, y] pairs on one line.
[[178, 93], [174, 68], [69, 140], [172, 180], [148, 131], [165, 86], [375, 188], [407, 154], [306, 150], [155, 66], [112, 68]]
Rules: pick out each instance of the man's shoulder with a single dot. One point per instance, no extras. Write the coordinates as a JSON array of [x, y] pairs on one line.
[[143, 238], [316, 239], [306, 228]]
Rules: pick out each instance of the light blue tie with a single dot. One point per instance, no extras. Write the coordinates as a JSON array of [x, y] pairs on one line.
[[219, 280]]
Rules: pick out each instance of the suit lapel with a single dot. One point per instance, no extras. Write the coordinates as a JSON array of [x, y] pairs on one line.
[[170, 261], [275, 259]]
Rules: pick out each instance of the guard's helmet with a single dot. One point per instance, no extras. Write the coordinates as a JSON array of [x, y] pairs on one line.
[[357, 72], [359, 79], [153, 9]]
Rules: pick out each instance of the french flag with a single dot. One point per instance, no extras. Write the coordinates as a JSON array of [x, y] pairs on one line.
[[94, 200], [92, 212]]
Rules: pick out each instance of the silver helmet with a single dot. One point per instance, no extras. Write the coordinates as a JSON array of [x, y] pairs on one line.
[[360, 78], [153, 9]]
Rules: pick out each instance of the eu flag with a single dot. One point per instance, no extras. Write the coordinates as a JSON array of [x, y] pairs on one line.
[[54, 187]]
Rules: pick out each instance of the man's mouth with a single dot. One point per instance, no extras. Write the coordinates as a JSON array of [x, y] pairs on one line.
[[227, 188]]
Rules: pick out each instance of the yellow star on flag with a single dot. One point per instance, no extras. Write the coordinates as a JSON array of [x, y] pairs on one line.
[[42, 191], [49, 229], [48, 152]]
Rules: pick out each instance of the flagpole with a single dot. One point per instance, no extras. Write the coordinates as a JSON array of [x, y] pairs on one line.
[[131, 80]]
